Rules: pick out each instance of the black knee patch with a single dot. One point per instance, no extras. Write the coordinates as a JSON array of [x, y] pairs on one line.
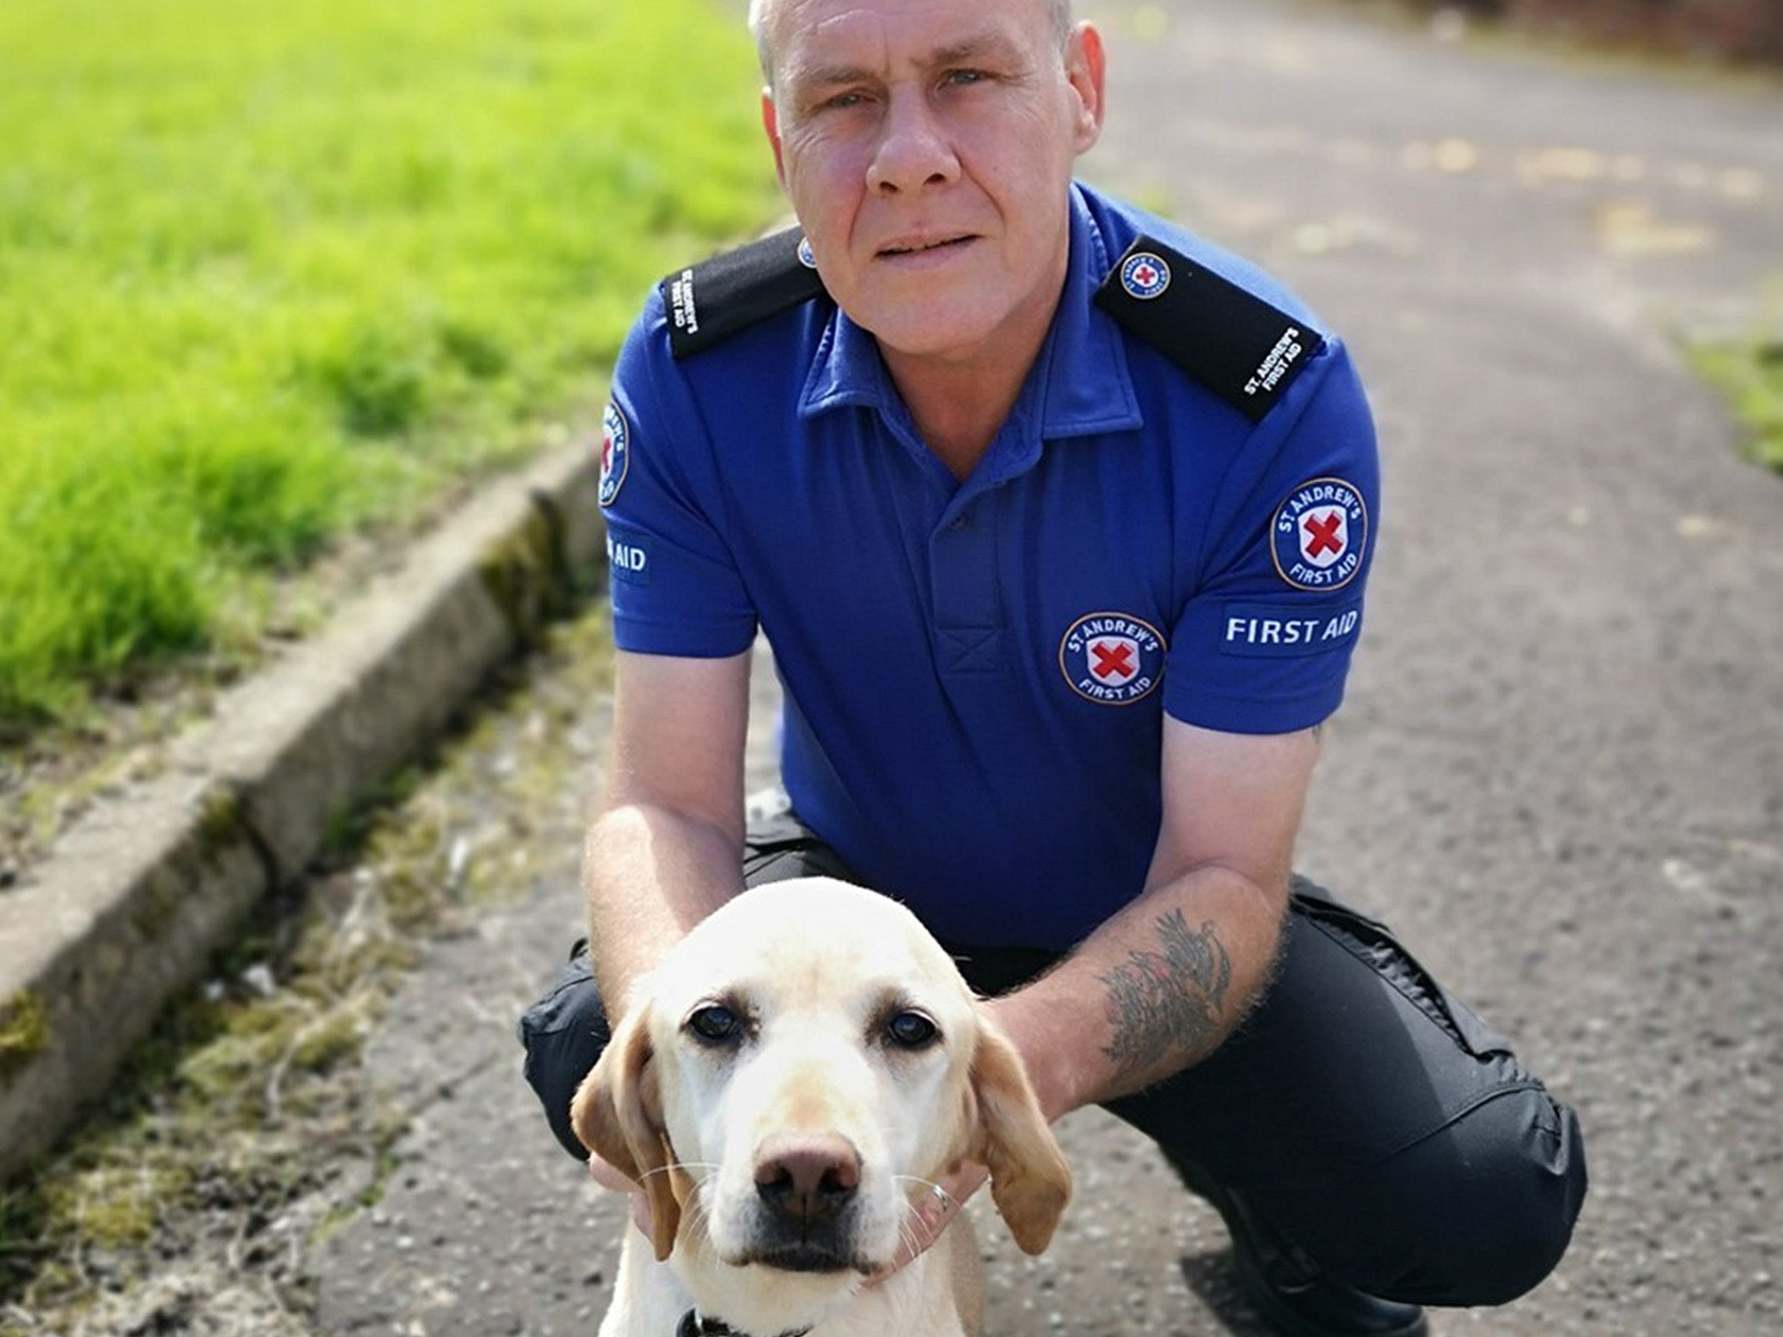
[[1478, 1213], [564, 1034]]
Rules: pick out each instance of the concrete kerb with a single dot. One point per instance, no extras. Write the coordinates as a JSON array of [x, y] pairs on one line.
[[133, 901]]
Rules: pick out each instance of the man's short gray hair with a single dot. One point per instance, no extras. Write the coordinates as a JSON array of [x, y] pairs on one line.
[[1060, 11]]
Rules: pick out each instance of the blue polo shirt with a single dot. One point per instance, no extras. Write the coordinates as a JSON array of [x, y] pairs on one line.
[[975, 671]]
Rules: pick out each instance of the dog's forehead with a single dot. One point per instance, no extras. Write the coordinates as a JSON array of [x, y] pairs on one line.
[[810, 934]]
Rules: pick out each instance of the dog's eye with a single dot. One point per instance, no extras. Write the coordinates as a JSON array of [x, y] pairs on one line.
[[715, 1024], [911, 1029]]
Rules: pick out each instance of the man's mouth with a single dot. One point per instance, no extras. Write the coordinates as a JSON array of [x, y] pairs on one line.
[[922, 245]]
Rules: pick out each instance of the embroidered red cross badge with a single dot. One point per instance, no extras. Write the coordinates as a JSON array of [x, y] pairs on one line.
[[1112, 661], [1322, 534]]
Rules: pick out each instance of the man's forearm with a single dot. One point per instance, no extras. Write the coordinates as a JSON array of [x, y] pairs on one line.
[[651, 874], [1171, 975]]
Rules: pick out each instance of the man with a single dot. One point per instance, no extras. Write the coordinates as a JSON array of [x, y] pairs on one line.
[[1058, 521]]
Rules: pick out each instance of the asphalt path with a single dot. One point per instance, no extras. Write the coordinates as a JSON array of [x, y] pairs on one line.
[[1559, 772]]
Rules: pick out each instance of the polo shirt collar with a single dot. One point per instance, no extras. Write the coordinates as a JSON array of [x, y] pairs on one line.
[[1079, 384]]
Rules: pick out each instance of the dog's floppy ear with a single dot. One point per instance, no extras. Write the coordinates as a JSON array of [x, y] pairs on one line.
[[1030, 1180], [617, 1112]]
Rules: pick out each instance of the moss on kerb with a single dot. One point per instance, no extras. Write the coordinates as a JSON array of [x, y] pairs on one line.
[[24, 1030], [219, 826], [157, 907], [522, 573], [218, 815]]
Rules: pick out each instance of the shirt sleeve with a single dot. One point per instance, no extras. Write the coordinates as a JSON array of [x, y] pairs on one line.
[[1263, 643], [674, 583]]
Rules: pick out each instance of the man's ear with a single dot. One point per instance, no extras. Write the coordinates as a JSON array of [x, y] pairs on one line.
[[1086, 68], [617, 1113], [1030, 1180], [770, 122]]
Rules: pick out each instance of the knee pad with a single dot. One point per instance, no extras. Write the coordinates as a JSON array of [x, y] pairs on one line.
[[1478, 1213], [563, 1034]]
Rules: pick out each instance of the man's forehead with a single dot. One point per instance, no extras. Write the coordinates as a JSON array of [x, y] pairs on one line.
[[811, 36]]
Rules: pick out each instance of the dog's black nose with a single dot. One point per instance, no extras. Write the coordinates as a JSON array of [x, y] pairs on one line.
[[808, 1176]]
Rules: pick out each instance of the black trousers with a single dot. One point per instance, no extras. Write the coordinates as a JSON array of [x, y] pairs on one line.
[[1367, 1115]]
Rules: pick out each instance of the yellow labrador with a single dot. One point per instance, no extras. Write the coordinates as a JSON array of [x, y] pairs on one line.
[[789, 1081]]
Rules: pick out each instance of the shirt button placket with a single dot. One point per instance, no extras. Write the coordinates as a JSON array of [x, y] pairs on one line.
[[963, 574]]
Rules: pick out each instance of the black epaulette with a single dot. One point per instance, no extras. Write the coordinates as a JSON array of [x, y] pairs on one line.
[[730, 292], [1232, 341]]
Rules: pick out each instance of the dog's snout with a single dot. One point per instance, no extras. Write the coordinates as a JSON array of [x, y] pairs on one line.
[[807, 1176]]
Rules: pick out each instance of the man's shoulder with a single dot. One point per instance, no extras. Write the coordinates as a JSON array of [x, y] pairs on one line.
[[713, 303], [1225, 321], [753, 314], [709, 303], [1123, 223]]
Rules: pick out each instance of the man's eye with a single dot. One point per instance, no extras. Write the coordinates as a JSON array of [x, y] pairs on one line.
[[912, 1030], [965, 78], [843, 101], [715, 1024]]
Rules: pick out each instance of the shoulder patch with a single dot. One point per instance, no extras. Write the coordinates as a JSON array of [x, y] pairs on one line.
[[1232, 341], [710, 302]]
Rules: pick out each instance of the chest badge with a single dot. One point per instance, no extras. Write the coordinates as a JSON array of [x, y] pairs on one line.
[[1319, 535], [1113, 659], [615, 453]]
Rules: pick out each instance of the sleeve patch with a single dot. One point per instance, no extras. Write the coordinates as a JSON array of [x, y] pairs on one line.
[[1279, 630], [615, 453], [1320, 534], [1238, 345], [628, 557]]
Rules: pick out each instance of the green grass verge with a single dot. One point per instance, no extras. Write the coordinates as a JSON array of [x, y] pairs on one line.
[[271, 272], [1751, 374]]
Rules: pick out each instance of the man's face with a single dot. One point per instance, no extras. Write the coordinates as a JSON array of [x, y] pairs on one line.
[[926, 146]]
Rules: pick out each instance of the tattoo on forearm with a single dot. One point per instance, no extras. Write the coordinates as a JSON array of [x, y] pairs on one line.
[[1171, 1000]]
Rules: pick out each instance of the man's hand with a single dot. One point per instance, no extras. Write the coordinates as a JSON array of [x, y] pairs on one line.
[[931, 1213], [607, 1177]]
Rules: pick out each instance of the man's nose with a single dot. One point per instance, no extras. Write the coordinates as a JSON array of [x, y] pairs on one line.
[[808, 1176], [913, 151]]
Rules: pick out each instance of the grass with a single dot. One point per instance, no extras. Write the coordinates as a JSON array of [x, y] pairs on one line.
[[268, 274], [1751, 375]]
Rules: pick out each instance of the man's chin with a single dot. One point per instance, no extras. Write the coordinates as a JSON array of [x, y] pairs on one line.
[[943, 338]]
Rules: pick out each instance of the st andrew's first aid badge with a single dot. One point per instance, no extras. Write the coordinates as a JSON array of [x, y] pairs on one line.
[[1145, 275], [1319, 535], [1111, 658], [615, 453]]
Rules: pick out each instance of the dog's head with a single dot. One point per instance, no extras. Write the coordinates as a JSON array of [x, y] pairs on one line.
[[795, 1073]]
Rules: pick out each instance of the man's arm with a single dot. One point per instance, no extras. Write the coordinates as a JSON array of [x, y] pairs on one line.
[[666, 847], [1159, 985]]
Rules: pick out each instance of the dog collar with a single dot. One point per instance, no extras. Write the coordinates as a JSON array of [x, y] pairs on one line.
[[693, 1325]]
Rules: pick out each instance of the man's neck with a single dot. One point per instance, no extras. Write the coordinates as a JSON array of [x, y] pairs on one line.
[[961, 399]]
